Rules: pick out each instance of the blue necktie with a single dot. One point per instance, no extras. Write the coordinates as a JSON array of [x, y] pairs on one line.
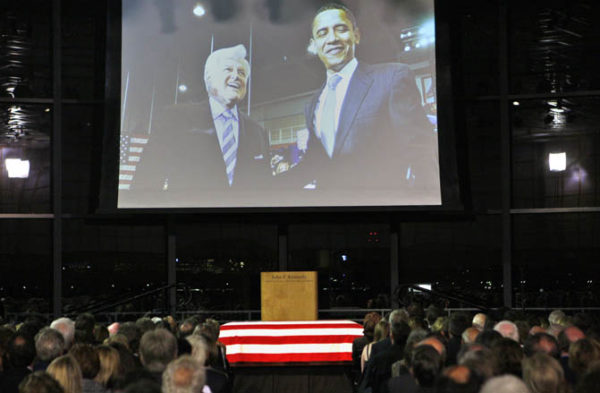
[[229, 146], [328, 115]]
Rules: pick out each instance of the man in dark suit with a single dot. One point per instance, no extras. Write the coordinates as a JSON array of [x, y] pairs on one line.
[[205, 153], [367, 128]]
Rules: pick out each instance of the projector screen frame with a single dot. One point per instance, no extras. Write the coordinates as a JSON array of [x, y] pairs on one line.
[[453, 179]]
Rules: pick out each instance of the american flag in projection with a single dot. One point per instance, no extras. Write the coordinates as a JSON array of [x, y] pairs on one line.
[[132, 147], [289, 342]]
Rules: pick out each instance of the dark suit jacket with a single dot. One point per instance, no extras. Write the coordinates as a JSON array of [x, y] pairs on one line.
[[183, 163], [382, 131]]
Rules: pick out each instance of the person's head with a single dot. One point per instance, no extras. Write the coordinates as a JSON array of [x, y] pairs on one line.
[[415, 336], [67, 372], [504, 384], [426, 364], [480, 359], [132, 332], [49, 344], [556, 317], [382, 330], [509, 355], [437, 344], [469, 335], [589, 382], [479, 321], [66, 327], [101, 333], [568, 336], [87, 357], [199, 346], [543, 374], [369, 321], [507, 329], [334, 36], [157, 348], [488, 338], [541, 343], [187, 327], [144, 324], [399, 332], [440, 325], [21, 351], [457, 324], [85, 322], [110, 364], [457, 379], [184, 375], [582, 353], [226, 73], [39, 382]]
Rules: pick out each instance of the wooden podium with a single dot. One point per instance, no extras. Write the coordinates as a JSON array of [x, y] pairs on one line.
[[288, 296]]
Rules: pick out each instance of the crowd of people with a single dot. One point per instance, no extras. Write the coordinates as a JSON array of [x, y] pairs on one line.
[[421, 350], [150, 355], [411, 350]]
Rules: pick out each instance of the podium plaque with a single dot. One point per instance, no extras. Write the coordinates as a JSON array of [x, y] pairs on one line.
[[288, 296]]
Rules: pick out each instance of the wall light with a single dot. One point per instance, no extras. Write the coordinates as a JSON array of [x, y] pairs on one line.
[[17, 168], [557, 161]]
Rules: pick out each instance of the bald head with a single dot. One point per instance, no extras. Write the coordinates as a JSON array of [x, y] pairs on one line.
[[479, 321], [469, 335]]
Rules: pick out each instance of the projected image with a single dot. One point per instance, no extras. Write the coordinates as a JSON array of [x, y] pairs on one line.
[[278, 104]]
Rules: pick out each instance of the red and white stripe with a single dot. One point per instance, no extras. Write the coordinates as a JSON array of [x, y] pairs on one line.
[[290, 341]]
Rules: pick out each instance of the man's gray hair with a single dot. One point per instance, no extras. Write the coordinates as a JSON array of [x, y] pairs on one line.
[[398, 315], [237, 53], [158, 347], [504, 384], [184, 375], [556, 317], [199, 347], [66, 327], [49, 344], [507, 329]]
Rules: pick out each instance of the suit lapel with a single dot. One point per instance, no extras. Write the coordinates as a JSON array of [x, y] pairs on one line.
[[357, 90]]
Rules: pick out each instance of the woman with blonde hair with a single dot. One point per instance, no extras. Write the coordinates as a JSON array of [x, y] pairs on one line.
[[66, 371], [382, 329], [110, 364]]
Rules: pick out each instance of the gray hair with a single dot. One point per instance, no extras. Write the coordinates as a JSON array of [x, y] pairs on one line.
[[183, 375], [66, 327], [507, 329], [157, 348], [199, 347], [504, 384], [49, 344], [237, 53]]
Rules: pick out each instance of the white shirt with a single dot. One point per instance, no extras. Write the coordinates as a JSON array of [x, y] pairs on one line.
[[216, 109], [340, 93]]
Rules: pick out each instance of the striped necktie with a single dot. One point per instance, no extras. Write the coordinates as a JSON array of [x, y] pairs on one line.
[[229, 145], [328, 115]]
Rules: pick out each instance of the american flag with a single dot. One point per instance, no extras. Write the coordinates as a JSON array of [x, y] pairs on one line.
[[290, 341], [132, 147]]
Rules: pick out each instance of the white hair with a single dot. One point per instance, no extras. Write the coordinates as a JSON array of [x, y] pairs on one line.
[[199, 347], [504, 384], [66, 327], [237, 53], [507, 329]]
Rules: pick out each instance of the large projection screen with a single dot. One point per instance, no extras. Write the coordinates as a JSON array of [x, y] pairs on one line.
[[228, 104]]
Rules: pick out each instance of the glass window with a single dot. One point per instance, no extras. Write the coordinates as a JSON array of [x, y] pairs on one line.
[[462, 259], [555, 152], [25, 49], [553, 259], [552, 45], [108, 264], [352, 261], [483, 151], [25, 158], [219, 265], [25, 266]]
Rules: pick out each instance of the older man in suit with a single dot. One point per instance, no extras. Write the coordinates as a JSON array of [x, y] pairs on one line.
[[367, 128], [203, 153]]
